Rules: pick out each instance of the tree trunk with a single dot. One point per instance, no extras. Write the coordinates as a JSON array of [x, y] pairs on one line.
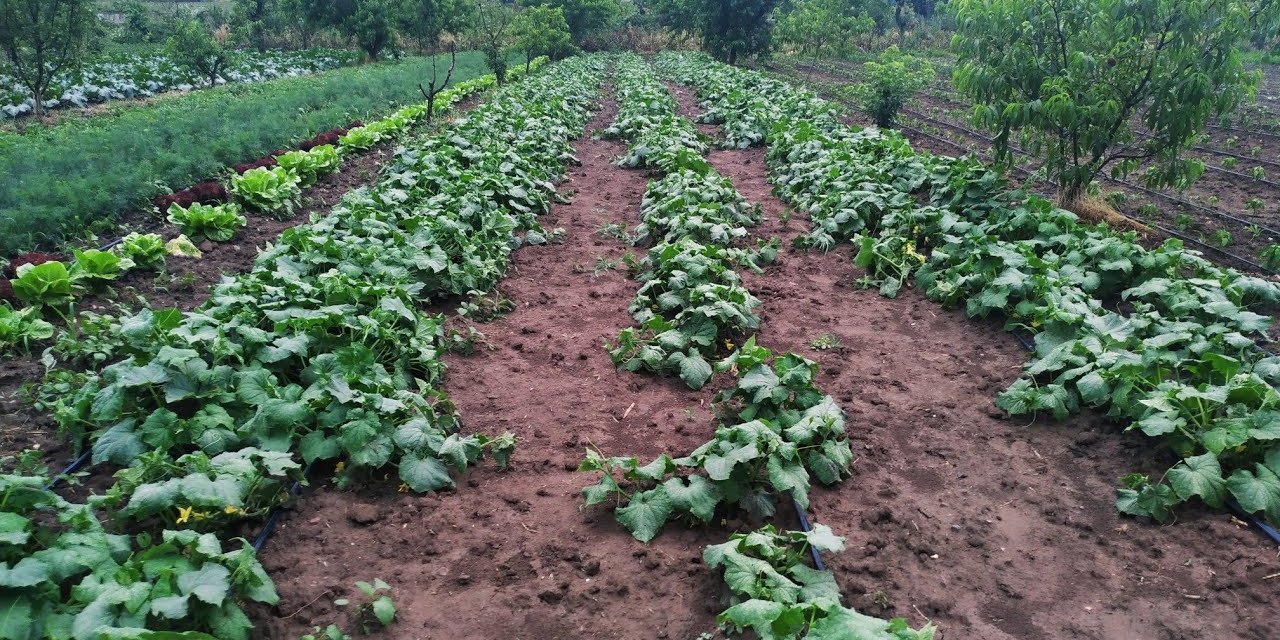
[[37, 109], [902, 26]]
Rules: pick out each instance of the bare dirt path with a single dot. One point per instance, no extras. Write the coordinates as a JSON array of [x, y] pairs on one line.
[[510, 554], [993, 529]]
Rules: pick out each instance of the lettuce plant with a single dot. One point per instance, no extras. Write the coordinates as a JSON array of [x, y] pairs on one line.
[[273, 191], [21, 327], [95, 267], [217, 222], [47, 284], [360, 138], [146, 250], [310, 165], [182, 247]]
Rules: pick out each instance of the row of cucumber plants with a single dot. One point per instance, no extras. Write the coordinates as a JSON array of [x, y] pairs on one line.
[[692, 304], [49, 288], [776, 434], [1161, 340], [322, 352], [776, 429]]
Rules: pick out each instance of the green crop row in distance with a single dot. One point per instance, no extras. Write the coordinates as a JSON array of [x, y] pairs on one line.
[[60, 181]]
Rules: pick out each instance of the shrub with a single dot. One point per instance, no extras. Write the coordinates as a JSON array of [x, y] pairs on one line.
[[892, 80]]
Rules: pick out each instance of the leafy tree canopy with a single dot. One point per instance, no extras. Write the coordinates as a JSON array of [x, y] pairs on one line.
[[1091, 85]]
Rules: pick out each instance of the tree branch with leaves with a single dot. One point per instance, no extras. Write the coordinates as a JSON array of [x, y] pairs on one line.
[[491, 32], [42, 39], [1105, 85]]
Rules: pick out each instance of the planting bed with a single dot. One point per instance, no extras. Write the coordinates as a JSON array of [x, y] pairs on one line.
[[1199, 215], [185, 285], [953, 513]]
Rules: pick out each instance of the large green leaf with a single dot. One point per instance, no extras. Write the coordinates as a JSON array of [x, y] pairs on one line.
[[1257, 491], [27, 572], [211, 583], [424, 473], [645, 514], [695, 495], [1199, 476]]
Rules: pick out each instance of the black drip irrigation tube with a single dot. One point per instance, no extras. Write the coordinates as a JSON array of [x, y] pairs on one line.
[[277, 512], [70, 469], [1258, 132], [1167, 231], [940, 92], [1136, 187], [1230, 154], [1123, 183], [804, 526]]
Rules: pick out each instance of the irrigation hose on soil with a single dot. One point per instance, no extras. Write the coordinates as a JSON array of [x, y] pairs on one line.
[[70, 469], [273, 518], [804, 526]]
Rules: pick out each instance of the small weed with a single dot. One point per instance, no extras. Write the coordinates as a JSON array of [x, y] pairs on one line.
[[464, 343], [331, 632], [486, 307], [375, 610], [604, 264], [616, 230], [28, 462], [881, 598], [165, 281], [1271, 256], [1116, 199], [634, 265], [825, 341]]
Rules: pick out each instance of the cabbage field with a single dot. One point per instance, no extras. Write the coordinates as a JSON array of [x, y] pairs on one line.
[[634, 346], [128, 76]]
